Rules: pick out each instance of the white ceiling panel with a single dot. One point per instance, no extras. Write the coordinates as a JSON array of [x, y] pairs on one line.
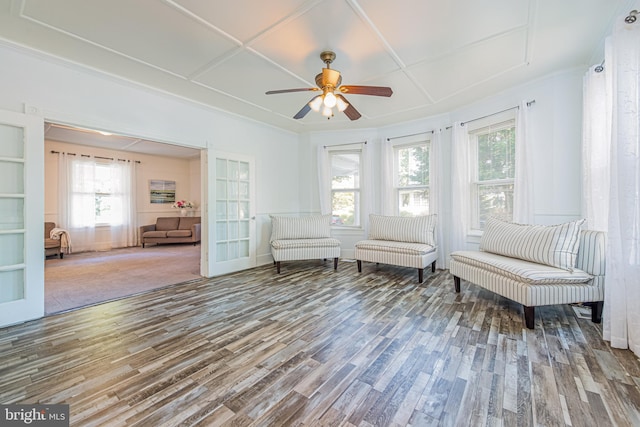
[[436, 55], [246, 19], [148, 30], [472, 65]]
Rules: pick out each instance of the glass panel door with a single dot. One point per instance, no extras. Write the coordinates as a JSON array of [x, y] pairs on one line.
[[235, 221], [21, 271]]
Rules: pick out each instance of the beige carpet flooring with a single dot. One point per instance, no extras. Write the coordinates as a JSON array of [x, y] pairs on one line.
[[88, 278]]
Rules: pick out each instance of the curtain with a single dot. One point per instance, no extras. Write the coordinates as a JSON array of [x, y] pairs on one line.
[[124, 232], [459, 187], [622, 284], [366, 188], [388, 179], [596, 145], [523, 180], [435, 194], [76, 200], [324, 180]]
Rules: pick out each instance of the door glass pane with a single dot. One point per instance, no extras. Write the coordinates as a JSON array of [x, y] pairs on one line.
[[11, 285], [232, 211], [233, 230], [233, 250], [221, 168], [11, 134], [243, 232], [11, 177], [244, 248], [244, 210], [11, 249], [243, 171], [221, 252], [221, 230], [233, 170], [221, 210], [11, 213], [232, 187], [221, 189]]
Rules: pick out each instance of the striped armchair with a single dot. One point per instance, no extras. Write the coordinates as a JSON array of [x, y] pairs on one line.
[[537, 265], [300, 238], [403, 241]]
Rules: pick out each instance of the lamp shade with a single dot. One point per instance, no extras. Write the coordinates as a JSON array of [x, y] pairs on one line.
[[330, 100]]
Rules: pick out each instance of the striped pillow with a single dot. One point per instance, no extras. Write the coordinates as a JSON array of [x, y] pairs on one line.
[[419, 229], [307, 227], [554, 245]]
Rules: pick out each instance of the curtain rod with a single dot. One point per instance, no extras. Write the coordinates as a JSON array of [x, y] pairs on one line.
[[349, 143], [413, 134], [529, 104], [96, 157]]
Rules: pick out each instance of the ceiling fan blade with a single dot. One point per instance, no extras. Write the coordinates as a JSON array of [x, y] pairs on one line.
[[303, 112], [306, 89], [350, 111], [366, 90]]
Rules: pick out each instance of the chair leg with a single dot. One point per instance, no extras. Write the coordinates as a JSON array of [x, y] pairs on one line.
[[61, 255], [420, 274], [456, 283], [335, 263], [278, 266], [433, 267], [359, 265], [529, 316]]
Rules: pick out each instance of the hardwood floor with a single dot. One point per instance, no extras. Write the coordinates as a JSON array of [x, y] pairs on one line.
[[313, 346]]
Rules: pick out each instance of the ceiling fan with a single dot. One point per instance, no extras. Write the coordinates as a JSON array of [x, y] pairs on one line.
[[332, 92]]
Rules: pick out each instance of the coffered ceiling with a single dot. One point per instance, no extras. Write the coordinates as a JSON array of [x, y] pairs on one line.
[[436, 55]]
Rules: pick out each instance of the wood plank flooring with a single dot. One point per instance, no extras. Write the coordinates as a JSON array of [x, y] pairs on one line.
[[313, 346]]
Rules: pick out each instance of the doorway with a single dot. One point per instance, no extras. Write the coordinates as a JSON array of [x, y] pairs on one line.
[[104, 273]]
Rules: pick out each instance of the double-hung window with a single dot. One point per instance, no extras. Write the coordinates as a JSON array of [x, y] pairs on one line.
[[346, 180], [411, 178], [492, 171]]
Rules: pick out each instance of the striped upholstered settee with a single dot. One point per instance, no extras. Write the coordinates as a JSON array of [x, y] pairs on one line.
[[300, 238], [403, 241], [537, 265]]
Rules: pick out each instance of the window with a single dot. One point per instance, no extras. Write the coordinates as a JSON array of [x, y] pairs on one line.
[[96, 196], [493, 172], [411, 172], [346, 176]]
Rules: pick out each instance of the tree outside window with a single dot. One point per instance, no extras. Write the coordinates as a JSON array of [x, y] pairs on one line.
[[345, 188], [411, 164], [492, 190]]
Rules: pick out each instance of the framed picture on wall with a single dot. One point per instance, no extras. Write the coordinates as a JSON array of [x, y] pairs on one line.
[[161, 191]]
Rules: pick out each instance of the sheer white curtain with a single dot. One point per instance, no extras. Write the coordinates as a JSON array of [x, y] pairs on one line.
[[76, 200], [596, 146], [459, 187], [324, 180], [366, 188], [124, 225], [435, 192], [622, 286], [388, 179], [523, 180]]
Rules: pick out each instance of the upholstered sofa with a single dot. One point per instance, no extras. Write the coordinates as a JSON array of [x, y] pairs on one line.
[[173, 229], [302, 238], [537, 265], [402, 241]]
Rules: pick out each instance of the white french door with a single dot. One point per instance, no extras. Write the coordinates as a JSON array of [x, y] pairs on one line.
[[234, 228], [21, 217]]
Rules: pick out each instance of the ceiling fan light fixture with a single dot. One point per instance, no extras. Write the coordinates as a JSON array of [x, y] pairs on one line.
[[327, 112], [341, 104], [330, 99], [316, 103]]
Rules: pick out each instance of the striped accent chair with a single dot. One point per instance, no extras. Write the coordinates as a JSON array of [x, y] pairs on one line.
[[300, 238], [402, 241], [537, 265]]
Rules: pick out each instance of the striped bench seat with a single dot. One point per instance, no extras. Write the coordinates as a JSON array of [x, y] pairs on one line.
[[575, 276], [402, 241], [302, 238]]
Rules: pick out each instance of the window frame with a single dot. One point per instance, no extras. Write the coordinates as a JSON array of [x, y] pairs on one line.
[[489, 125], [358, 191], [396, 147]]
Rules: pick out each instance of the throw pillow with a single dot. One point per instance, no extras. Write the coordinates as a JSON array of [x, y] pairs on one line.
[[554, 245]]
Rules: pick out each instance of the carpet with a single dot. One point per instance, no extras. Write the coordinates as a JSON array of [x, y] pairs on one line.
[[88, 278]]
